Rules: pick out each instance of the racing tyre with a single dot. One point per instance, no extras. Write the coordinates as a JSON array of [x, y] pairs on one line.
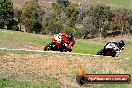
[[48, 46], [113, 54], [100, 52]]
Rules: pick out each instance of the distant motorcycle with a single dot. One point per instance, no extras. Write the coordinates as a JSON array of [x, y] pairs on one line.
[[112, 49], [58, 45]]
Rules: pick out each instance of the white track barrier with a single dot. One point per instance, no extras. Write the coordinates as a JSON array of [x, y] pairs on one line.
[[56, 52], [40, 51]]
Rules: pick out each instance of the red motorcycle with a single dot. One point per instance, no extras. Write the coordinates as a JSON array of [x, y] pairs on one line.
[[58, 44]]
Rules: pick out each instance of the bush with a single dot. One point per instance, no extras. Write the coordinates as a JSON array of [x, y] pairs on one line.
[[31, 16], [6, 12], [15, 28]]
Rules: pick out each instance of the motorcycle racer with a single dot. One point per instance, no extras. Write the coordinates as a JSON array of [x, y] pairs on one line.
[[71, 42], [115, 45], [112, 48], [66, 39]]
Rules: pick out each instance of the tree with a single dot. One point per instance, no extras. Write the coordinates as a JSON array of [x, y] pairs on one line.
[[60, 20], [17, 16], [122, 19], [6, 13], [101, 15], [82, 9], [32, 16], [63, 3], [52, 24], [89, 29], [71, 14]]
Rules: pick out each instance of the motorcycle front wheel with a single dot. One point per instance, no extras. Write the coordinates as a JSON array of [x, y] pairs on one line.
[[48, 46], [100, 52]]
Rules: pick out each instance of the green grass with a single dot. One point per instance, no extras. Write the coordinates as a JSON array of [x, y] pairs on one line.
[[48, 82], [114, 4], [10, 83], [87, 46], [6, 83], [114, 86], [3, 52], [15, 36], [82, 46], [127, 52], [120, 3]]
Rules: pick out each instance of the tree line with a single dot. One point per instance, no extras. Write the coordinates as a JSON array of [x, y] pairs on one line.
[[83, 20]]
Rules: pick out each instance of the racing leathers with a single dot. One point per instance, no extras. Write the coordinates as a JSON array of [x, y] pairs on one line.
[[63, 38], [113, 46]]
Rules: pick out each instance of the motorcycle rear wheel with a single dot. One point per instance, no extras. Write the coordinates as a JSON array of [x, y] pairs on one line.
[[113, 54]]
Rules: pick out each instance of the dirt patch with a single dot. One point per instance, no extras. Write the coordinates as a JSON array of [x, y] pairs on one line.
[[20, 45], [60, 67]]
